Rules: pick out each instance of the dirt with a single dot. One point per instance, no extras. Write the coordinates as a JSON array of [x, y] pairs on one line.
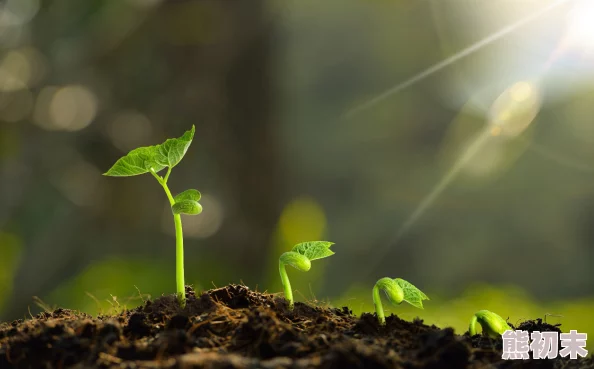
[[236, 328]]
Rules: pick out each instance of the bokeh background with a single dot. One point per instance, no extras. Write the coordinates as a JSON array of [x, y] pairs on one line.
[[474, 181]]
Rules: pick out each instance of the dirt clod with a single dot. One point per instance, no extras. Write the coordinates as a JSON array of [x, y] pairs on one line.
[[236, 328]]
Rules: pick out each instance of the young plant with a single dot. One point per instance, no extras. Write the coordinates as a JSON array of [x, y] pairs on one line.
[[153, 159], [493, 325], [300, 258], [397, 290]]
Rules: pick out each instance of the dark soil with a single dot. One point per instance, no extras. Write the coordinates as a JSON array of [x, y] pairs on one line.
[[236, 328]]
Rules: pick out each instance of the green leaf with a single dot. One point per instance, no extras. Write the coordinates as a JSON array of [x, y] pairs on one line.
[[189, 207], [191, 194], [172, 151], [412, 294], [314, 249], [138, 161], [158, 157]]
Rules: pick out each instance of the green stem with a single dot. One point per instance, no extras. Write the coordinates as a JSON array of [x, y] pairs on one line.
[[472, 326], [167, 175], [379, 309], [179, 242], [286, 284]]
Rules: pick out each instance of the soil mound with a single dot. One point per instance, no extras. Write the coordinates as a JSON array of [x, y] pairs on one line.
[[236, 328]]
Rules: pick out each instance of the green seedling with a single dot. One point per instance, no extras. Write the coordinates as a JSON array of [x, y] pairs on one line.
[[300, 258], [397, 290], [153, 159], [493, 325]]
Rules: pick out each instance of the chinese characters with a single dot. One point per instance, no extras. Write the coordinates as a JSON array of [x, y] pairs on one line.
[[544, 345]]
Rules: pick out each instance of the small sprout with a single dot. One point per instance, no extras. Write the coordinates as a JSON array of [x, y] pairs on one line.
[[493, 325], [397, 290], [153, 159], [300, 258]]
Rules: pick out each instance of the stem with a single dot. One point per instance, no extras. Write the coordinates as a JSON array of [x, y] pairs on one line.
[[472, 326], [167, 175], [179, 242], [378, 305], [179, 261], [286, 284]]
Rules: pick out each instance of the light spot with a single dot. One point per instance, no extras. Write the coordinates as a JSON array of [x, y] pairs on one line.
[[129, 130], [72, 108], [18, 12], [79, 183], [478, 148], [521, 91], [515, 109], [302, 219], [15, 72]]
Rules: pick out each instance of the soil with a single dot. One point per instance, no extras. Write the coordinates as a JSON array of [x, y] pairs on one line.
[[236, 328]]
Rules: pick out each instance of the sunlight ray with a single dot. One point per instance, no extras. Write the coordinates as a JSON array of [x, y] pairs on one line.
[[446, 180], [452, 59]]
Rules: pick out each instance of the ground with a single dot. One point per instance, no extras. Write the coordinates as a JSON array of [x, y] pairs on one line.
[[236, 328]]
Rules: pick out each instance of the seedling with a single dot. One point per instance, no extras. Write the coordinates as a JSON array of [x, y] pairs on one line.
[[493, 325], [300, 258], [153, 159], [397, 290]]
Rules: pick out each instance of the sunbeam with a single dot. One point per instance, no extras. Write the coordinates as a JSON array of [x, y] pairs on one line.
[[468, 154], [510, 115], [452, 59]]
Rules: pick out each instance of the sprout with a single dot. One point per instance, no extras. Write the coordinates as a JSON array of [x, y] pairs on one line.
[[153, 159], [493, 325], [397, 290], [300, 258]]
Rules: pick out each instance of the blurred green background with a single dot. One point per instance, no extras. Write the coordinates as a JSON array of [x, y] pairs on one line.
[[475, 182]]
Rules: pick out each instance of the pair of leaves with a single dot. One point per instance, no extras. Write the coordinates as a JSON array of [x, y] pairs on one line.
[[187, 203], [157, 157], [302, 254], [398, 290]]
